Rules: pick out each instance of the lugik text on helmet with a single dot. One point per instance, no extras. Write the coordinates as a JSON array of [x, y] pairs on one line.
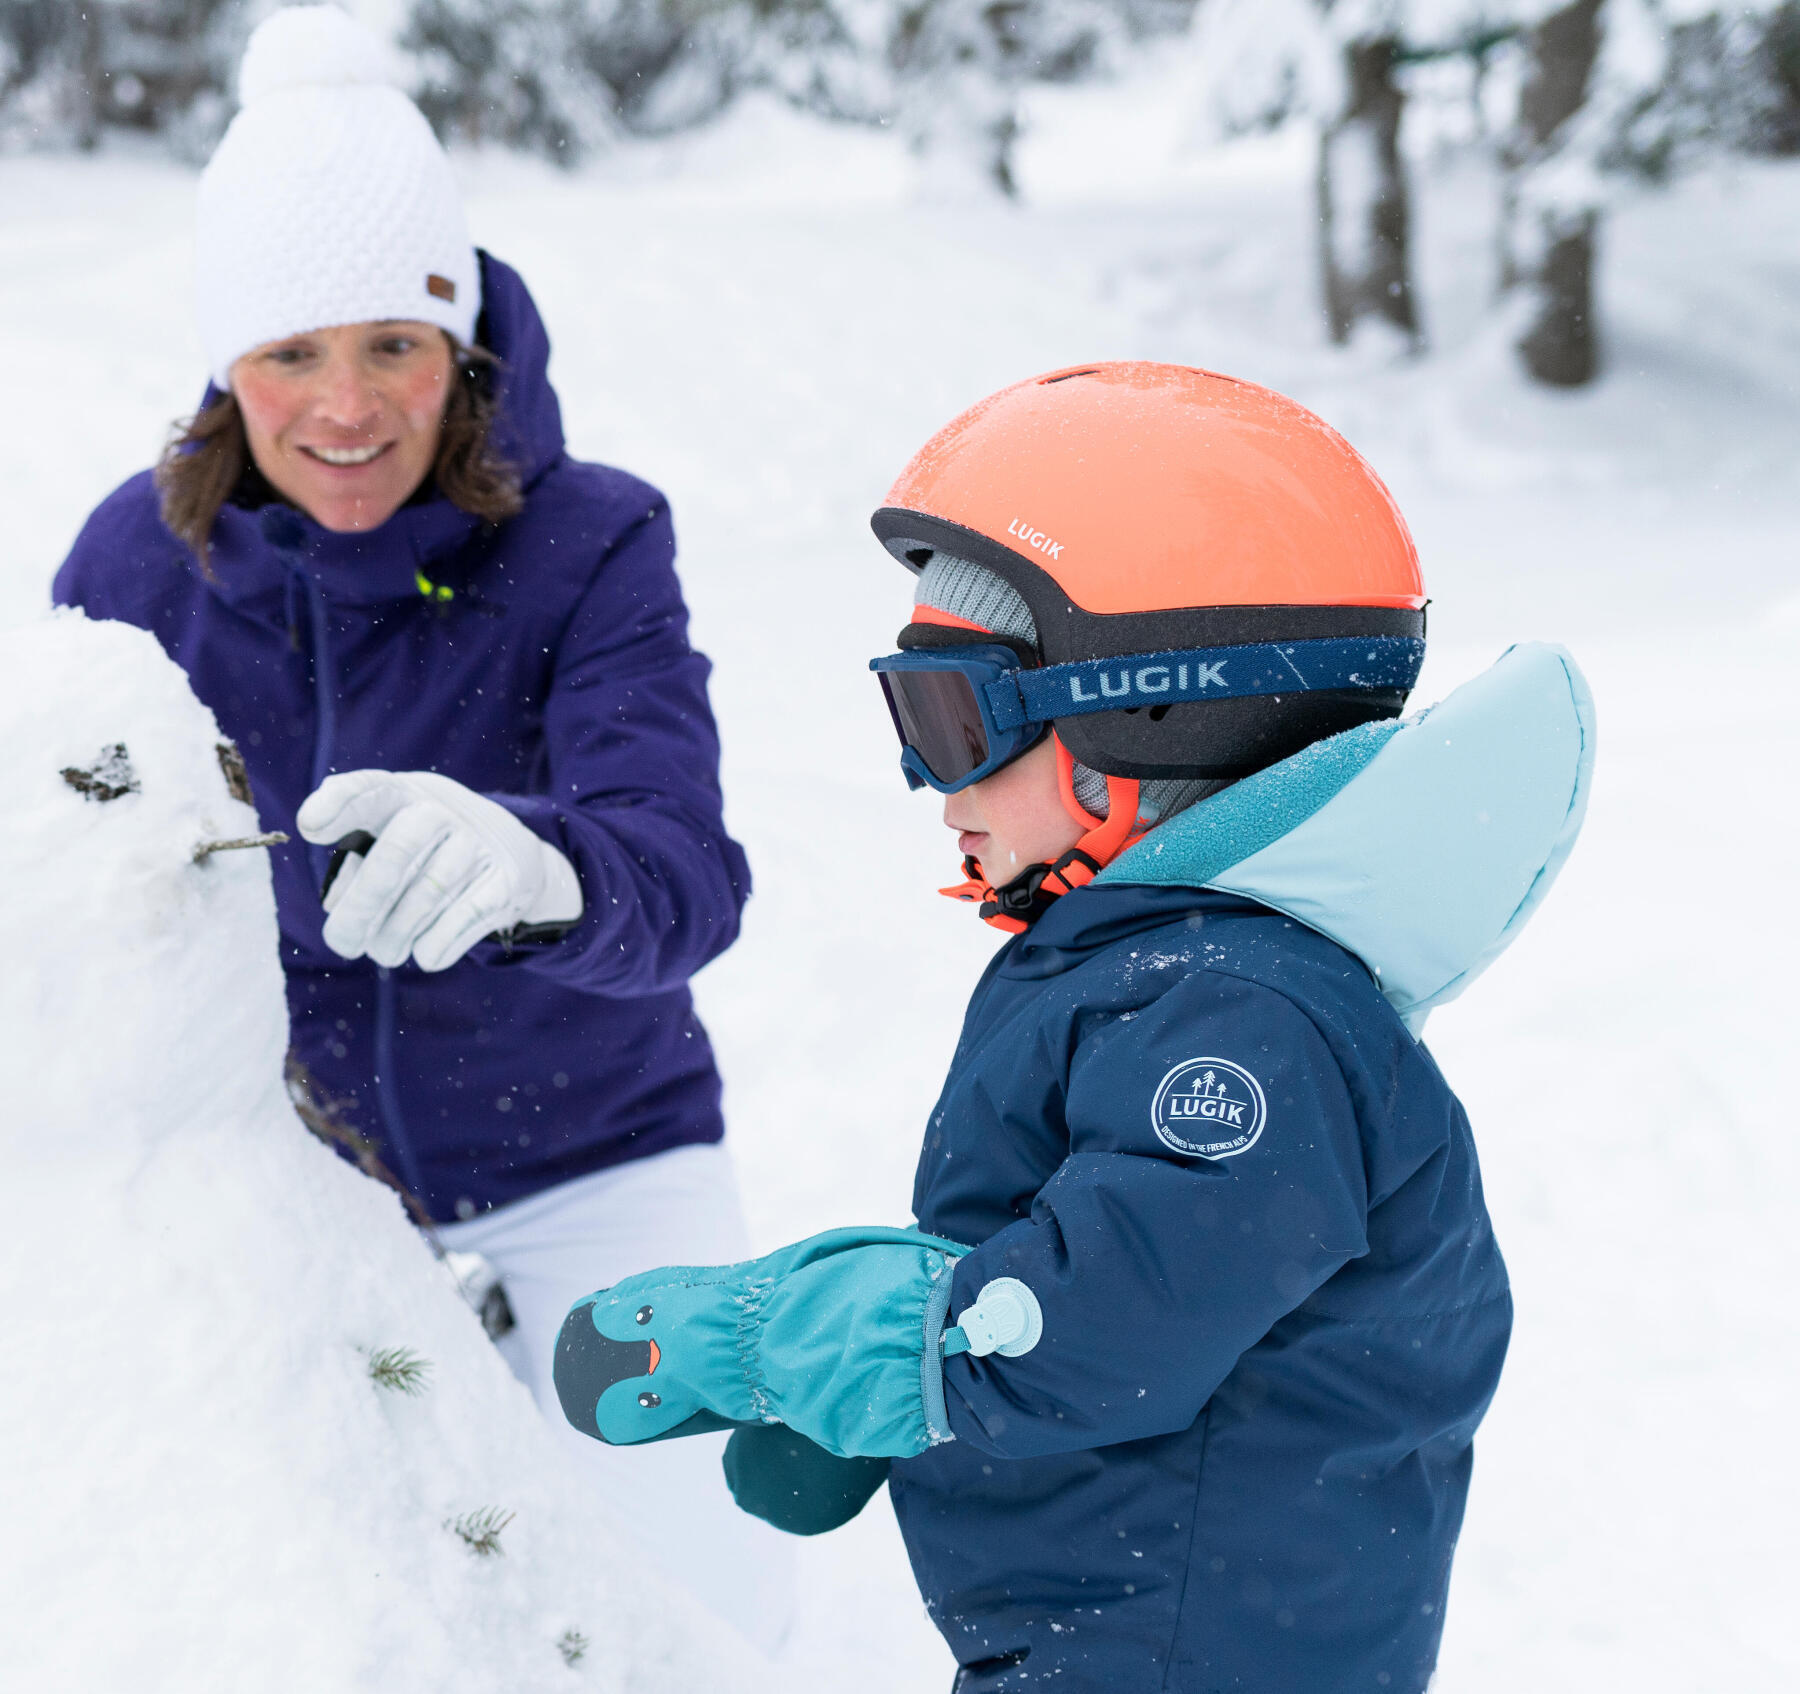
[[1035, 538]]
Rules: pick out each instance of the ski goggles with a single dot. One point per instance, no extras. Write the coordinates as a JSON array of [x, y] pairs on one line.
[[963, 712]]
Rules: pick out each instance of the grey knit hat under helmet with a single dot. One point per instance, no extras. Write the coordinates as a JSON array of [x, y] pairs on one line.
[[977, 595]]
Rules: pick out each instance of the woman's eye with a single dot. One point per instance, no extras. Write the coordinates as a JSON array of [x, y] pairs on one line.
[[396, 346], [288, 355]]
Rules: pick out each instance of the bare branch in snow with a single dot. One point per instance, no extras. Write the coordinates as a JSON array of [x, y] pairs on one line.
[[204, 850]]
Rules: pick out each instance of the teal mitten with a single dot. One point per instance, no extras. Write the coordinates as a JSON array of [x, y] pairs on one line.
[[793, 1483], [839, 1337]]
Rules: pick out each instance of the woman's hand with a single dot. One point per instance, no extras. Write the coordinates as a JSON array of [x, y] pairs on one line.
[[448, 867]]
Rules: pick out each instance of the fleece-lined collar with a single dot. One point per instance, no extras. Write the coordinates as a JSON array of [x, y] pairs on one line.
[[1422, 846]]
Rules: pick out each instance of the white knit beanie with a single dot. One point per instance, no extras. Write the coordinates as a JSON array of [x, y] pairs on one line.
[[329, 201]]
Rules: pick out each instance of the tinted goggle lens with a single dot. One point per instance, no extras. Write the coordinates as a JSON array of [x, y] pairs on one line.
[[939, 718]]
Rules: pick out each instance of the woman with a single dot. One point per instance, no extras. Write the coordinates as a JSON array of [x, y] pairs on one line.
[[437, 638]]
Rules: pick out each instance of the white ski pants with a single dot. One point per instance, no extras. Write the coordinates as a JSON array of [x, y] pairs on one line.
[[674, 1208]]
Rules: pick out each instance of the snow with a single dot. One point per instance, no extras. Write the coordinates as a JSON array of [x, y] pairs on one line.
[[213, 1484], [767, 317]]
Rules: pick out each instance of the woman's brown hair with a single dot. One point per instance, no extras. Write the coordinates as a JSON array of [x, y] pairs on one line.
[[207, 460]]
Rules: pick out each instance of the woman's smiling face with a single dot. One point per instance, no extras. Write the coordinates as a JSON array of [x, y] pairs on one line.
[[344, 422]]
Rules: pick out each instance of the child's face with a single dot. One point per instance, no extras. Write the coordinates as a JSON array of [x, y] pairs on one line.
[[1015, 817]]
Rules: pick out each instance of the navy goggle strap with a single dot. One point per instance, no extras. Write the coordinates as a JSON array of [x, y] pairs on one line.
[[1378, 664]]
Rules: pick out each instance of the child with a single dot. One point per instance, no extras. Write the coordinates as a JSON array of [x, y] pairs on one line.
[[1175, 1384]]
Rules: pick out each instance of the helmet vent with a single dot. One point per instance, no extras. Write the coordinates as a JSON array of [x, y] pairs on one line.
[[1066, 376]]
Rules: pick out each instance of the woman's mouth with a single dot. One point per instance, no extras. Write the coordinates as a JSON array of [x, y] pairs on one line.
[[346, 458]]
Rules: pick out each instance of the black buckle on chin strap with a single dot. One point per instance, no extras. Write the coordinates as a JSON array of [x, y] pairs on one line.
[[1027, 898]]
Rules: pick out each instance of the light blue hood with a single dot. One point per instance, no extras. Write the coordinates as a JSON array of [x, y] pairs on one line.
[[1423, 846]]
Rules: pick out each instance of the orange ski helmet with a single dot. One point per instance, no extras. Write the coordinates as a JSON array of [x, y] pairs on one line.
[[1140, 507]]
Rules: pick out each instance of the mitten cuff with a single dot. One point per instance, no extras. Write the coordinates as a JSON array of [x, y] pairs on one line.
[[931, 1361]]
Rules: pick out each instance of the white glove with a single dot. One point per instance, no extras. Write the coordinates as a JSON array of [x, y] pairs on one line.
[[448, 867]]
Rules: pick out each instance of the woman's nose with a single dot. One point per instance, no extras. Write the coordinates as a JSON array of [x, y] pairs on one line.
[[347, 396]]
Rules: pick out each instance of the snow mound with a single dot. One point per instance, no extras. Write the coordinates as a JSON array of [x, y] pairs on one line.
[[222, 1494]]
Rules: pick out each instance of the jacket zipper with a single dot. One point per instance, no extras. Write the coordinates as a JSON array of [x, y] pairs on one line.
[[387, 1094]]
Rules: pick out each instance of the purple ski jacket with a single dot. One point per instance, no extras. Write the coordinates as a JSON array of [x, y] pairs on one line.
[[543, 662]]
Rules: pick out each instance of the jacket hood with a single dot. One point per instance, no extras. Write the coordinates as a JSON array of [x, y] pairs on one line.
[[1423, 845], [254, 550], [530, 431]]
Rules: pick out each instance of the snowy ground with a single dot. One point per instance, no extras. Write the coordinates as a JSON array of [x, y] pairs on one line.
[[763, 320]]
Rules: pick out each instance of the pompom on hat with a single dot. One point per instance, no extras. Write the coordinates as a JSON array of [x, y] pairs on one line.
[[329, 201]]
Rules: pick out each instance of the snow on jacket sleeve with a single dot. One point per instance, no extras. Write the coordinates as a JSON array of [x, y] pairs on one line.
[[1157, 1270], [634, 791]]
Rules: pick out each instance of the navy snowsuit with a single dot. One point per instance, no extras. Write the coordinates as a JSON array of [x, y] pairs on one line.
[[1274, 1313], [544, 662]]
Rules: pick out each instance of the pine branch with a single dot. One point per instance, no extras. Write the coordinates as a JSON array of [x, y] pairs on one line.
[[573, 1646], [480, 1531], [400, 1369]]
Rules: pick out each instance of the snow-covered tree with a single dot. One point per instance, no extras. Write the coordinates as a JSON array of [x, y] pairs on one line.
[[1775, 79], [1615, 89], [1552, 203], [1336, 64], [1365, 211], [959, 67], [69, 71], [1607, 89], [563, 76]]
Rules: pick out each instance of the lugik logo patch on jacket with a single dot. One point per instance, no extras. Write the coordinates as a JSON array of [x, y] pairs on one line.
[[1209, 1109]]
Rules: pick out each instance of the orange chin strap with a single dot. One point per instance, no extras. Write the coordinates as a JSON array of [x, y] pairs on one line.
[[1016, 905]]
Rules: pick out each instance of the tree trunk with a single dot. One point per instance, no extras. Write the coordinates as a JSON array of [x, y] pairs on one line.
[[85, 87], [1003, 135], [1560, 346], [1563, 49], [1364, 214], [965, 138]]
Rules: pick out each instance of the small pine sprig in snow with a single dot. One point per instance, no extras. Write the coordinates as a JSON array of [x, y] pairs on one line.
[[573, 1646], [480, 1531], [400, 1369]]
